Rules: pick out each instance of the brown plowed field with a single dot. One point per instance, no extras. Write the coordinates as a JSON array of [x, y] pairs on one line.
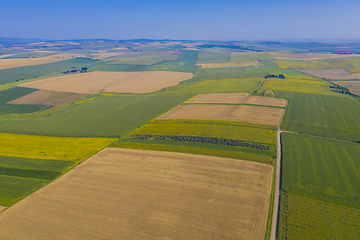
[[137, 194], [330, 73], [237, 98], [353, 86], [122, 82], [44, 97], [241, 113]]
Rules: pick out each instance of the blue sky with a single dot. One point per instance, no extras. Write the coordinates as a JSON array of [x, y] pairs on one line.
[[198, 20]]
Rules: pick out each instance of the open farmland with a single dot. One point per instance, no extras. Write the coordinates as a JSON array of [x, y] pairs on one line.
[[43, 147], [309, 56], [305, 218], [144, 60], [327, 170], [351, 64], [251, 56], [230, 64], [13, 63], [353, 86], [334, 116], [237, 98], [213, 57], [124, 82], [50, 98], [211, 128], [241, 113], [107, 116], [188, 196], [330, 73]]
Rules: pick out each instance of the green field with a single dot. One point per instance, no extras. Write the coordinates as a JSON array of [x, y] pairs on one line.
[[249, 56], [213, 57], [352, 64], [21, 73], [241, 153], [31, 55], [305, 218], [321, 168], [14, 93], [323, 115], [212, 128], [108, 116], [145, 60]]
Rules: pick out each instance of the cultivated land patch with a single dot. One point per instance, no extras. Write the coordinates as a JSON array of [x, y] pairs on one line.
[[307, 56], [144, 60], [211, 128], [43, 147], [12, 63], [123, 82], [213, 57], [330, 73], [51, 98], [230, 64], [249, 56], [121, 193], [237, 98], [2, 208], [353, 86], [241, 113], [305, 218]]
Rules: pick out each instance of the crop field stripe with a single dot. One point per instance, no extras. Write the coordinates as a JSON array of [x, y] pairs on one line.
[[328, 170], [306, 218], [196, 150], [247, 104], [29, 173]]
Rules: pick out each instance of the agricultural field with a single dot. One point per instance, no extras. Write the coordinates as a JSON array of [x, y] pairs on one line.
[[353, 86], [309, 56], [241, 113], [327, 170], [105, 116], [213, 57], [230, 64], [251, 56], [331, 73], [334, 116], [237, 98], [351, 64], [123, 82], [7, 96], [37, 54], [6, 63], [30, 72], [210, 191], [144, 60], [305, 218], [43, 97]]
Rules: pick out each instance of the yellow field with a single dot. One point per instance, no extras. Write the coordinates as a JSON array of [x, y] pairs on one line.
[[123, 82], [240, 113], [12, 63], [230, 64], [294, 83], [137, 194], [43, 147], [237, 98]]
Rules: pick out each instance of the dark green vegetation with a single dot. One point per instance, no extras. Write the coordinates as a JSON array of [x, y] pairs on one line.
[[31, 55], [108, 116], [14, 93], [334, 116], [21, 73], [213, 57], [241, 153], [305, 218], [321, 168], [185, 62], [21, 176]]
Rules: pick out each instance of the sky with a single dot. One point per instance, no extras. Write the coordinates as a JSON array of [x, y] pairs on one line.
[[181, 20]]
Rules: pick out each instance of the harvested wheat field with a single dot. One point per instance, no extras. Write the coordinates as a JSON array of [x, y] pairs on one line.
[[12, 63], [137, 194], [230, 64], [121, 82], [2, 208], [353, 86], [50, 98], [237, 98], [330, 73], [240, 113]]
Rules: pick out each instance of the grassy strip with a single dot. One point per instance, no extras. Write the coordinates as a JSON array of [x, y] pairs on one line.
[[271, 205], [197, 148], [248, 104], [306, 218], [29, 173]]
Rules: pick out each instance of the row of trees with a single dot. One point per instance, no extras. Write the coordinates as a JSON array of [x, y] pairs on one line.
[[222, 141], [280, 76]]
